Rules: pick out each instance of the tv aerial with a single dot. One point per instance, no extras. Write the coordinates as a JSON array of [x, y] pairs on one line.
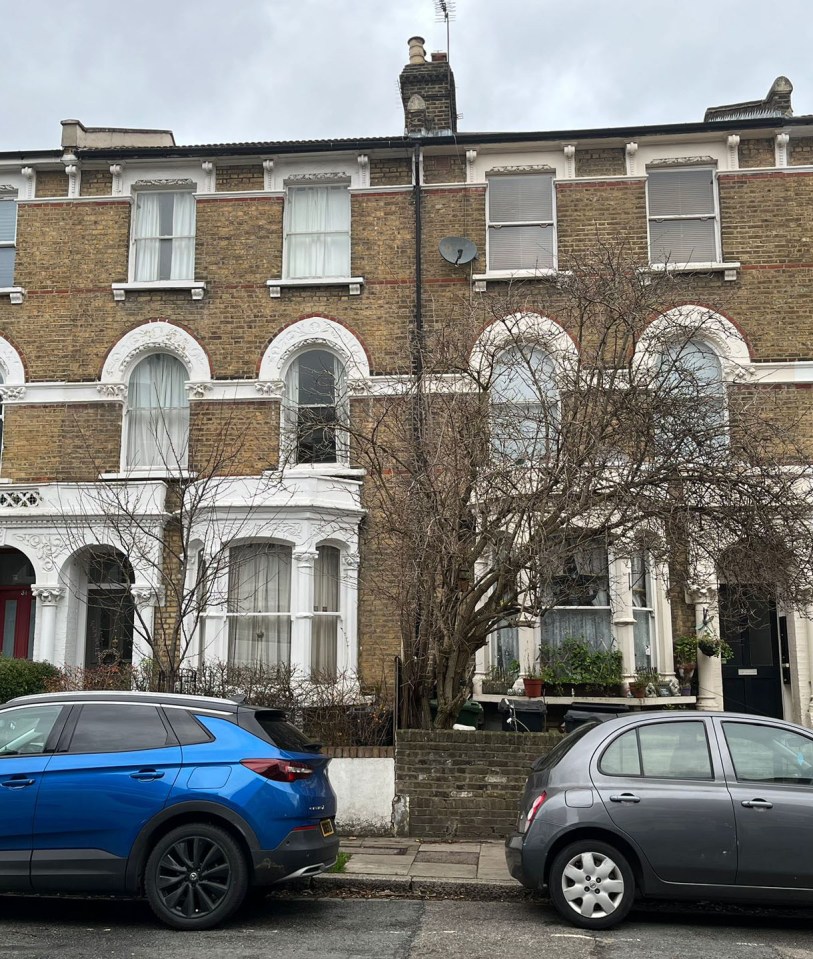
[[457, 250]]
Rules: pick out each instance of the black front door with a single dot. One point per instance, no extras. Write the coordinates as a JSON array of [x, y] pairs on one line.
[[752, 678], [109, 635]]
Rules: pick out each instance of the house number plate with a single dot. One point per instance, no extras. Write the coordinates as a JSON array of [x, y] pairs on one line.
[[746, 672]]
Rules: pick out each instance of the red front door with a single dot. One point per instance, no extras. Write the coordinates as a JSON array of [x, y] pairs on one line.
[[15, 621]]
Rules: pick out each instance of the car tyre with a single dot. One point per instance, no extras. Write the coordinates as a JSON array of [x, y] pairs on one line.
[[196, 876], [591, 884]]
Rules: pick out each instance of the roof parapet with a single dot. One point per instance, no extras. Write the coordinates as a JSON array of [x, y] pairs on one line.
[[76, 136], [775, 104]]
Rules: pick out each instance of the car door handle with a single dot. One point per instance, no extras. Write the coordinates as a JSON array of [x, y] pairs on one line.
[[17, 782], [757, 804], [624, 797], [146, 775]]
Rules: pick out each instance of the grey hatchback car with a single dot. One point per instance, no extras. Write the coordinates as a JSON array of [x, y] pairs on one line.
[[668, 805]]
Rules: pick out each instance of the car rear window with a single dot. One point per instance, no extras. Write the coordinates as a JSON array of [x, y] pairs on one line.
[[561, 749], [283, 734], [188, 730]]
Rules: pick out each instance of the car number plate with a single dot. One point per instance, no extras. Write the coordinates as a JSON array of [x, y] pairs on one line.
[[327, 827]]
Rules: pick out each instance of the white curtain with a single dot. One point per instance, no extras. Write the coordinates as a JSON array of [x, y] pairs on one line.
[[147, 236], [157, 414], [325, 635], [183, 237], [260, 604], [318, 241]]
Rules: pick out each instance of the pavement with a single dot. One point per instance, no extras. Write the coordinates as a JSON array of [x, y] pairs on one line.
[[389, 866]]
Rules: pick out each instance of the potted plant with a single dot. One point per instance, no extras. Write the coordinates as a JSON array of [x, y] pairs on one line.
[[645, 682], [685, 648], [499, 680], [532, 680], [710, 645]]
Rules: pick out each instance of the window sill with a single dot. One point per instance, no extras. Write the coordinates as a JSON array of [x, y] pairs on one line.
[[148, 474], [730, 270], [195, 287], [507, 276], [318, 469], [16, 294], [353, 284]]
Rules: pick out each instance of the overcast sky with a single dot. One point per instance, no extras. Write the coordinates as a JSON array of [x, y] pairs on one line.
[[215, 72]]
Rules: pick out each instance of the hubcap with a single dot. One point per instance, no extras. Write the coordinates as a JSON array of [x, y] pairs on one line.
[[194, 876], [593, 885]]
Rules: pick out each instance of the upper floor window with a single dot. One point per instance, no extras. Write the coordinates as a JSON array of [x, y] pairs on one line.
[[164, 236], [521, 222], [314, 388], [8, 237], [157, 414], [524, 404], [259, 608], [692, 408], [682, 205], [317, 231]]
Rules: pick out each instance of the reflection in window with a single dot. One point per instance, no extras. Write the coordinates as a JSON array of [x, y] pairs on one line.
[[314, 388], [691, 403], [26, 731], [259, 607], [581, 598], [524, 405], [157, 414], [676, 750], [769, 754]]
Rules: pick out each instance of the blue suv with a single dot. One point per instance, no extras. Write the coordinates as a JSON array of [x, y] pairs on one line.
[[185, 799]]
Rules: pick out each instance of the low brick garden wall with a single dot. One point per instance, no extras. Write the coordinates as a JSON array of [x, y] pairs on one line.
[[454, 784]]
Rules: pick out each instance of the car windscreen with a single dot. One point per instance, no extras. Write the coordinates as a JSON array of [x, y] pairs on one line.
[[562, 748], [283, 734]]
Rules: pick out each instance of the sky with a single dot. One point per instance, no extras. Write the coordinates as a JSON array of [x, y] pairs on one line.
[[267, 70]]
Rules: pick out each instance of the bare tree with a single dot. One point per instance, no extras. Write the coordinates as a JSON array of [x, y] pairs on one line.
[[512, 449]]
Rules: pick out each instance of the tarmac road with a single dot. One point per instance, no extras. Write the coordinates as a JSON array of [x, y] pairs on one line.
[[311, 928]]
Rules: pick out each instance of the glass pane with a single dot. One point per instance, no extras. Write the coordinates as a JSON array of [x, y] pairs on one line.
[[324, 643], [9, 626], [505, 647], [592, 625], [15, 569], [769, 754], [8, 221], [317, 378], [675, 751], [26, 730], [585, 579], [316, 434], [683, 241], [521, 248], [7, 257], [260, 639], [642, 635], [621, 757], [113, 727]]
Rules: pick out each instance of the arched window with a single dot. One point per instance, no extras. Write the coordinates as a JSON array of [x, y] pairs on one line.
[[691, 409], [157, 414], [524, 404], [259, 608], [325, 635], [314, 408]]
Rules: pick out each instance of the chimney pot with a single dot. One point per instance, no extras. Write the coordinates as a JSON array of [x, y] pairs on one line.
[[417, 51], [440, 56]]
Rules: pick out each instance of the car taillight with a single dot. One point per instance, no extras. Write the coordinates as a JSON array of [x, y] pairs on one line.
[[535, 806], [280, 770]]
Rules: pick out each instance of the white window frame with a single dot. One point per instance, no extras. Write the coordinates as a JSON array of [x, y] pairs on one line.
[[185, 283], [522, 271], [694, 264], [11, 197], [290, 191], [289, 415], [323, 614], [649, 583], [154, 471]]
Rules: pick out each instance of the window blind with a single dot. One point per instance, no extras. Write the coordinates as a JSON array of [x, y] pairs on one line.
[[686, 192], [524, 198]]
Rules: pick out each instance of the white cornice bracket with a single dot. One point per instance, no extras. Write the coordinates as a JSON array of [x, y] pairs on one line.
[[733, 145], [471, 156], [364, 169], [631, 150], [74, 175], [29, 177], [781, 149], [268, 175], [209, 176], [570, 161], [116, 171]]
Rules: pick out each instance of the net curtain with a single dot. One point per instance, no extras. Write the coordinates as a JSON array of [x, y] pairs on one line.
[[157, 414]]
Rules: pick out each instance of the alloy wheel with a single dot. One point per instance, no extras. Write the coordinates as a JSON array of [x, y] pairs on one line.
[[194, 877]]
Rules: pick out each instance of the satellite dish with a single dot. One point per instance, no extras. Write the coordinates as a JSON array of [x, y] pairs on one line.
[[457, 250]]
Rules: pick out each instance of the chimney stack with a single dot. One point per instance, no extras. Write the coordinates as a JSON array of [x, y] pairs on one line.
[[428, 93]]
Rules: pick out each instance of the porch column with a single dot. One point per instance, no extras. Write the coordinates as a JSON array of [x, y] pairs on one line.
[[620, 570], [347, 655], [302, 611], [146, 598], [704, 598], [805, 633], [47, 598]]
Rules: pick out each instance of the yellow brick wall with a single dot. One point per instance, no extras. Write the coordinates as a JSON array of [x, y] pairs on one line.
[[234, 178]]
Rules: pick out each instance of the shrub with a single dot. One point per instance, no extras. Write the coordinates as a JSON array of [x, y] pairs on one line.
[[22, 677], [575, 660]]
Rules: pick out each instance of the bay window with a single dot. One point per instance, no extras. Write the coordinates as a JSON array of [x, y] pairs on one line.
[[325, 633], [259, 605], [581, 598]]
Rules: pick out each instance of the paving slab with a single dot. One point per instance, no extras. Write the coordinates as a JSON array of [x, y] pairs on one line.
[[447, 855], [378, 866], [443, 870]]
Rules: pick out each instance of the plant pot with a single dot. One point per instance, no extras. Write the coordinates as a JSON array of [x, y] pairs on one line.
[[533, 687], [685, 690], [494, 687], [638, 690], [686, 671]]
